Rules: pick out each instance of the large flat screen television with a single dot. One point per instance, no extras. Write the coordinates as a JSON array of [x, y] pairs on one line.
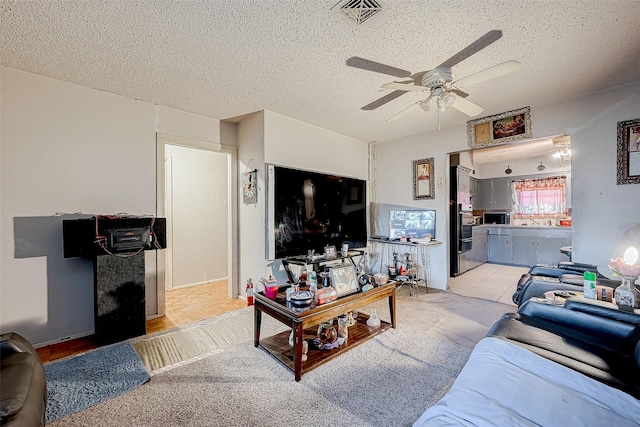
[[412, 223], [312, 210]]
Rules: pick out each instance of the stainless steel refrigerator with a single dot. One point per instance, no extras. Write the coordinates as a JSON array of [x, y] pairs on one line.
[[461, 221]]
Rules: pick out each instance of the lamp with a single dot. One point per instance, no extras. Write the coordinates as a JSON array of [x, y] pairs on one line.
[[625, 267]]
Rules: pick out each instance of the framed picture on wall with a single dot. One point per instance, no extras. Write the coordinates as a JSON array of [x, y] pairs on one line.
[[423, 179], [628, 152], [500, 129]]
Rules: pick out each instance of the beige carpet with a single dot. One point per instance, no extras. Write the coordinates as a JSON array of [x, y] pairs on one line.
[[387, 381]]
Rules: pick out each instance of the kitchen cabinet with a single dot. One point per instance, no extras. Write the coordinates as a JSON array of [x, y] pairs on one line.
[[479, 245], [527, 246], [500, 246], [495, 194], [502, 193], [485, 194]]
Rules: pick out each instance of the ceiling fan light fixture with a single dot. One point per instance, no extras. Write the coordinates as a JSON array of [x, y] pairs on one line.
[[448, 98]]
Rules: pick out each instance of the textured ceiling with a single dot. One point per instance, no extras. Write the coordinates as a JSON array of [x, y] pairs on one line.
[[228, 58]]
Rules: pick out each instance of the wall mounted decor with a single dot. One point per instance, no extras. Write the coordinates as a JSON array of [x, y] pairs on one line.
[[628, 158], [499, 129], [423, 179], [250, 187]]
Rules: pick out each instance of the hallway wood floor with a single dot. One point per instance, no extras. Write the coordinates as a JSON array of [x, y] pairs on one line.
[[183, 306]]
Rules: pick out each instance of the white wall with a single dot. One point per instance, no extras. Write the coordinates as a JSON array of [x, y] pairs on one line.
[[522, 167], [250, 134], [601, 209], [270, 138], [394, 186], [299, 145], [68, 148], [198, 189]]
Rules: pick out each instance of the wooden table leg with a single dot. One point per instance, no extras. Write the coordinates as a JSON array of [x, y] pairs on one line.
[[257, 320], [297, 343], [392, 308]]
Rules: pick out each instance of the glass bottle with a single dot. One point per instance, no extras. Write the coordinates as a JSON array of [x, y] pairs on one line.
[[343, 327], [626, 294], [373, 320]]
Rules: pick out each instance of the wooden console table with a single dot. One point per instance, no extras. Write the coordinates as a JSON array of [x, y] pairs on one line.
[[305, 324]]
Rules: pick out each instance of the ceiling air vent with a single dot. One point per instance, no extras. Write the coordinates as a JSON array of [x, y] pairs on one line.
[[360, 10]]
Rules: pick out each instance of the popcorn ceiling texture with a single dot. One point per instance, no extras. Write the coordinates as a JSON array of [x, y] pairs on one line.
[[227, 58]]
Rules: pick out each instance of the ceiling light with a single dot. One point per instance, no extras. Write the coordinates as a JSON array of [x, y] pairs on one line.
[[448, 98], [562, 147], [541, 167]]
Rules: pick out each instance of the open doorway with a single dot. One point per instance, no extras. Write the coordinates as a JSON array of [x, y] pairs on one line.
[[195, 194]]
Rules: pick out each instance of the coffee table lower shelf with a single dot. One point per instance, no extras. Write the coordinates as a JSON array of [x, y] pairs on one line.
[[278, 345]]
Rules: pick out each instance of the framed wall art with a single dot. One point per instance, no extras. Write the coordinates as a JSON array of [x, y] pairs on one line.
[[330, 252], [423, 179], [628, 158], [500, 128], [250, 187]]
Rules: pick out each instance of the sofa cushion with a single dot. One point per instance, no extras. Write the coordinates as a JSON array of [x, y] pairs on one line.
[[503, 384], [17, 372], [615, 368]]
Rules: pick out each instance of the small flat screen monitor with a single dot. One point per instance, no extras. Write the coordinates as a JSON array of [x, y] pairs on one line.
[[416, 224]]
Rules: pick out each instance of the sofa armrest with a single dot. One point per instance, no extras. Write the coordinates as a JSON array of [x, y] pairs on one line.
[[603, 309], [549, 271], [579, 268], [583, 325]]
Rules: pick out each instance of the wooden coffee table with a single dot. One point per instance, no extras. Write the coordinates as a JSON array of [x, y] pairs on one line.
[[305, 324]]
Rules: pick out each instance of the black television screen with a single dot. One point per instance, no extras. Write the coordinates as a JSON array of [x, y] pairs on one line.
[[416, 224], [314, 210]]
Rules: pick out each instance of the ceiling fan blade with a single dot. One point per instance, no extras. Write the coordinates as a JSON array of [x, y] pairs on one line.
[[466, 107], [459, 92], [474, 47], [381, 101], [376, 67], [490, 73], [409, 86], [410, 108]]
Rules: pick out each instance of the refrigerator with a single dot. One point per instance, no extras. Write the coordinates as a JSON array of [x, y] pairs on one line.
[[460, 220]]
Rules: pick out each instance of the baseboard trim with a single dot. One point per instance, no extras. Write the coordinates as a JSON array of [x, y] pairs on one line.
[[63, 339]]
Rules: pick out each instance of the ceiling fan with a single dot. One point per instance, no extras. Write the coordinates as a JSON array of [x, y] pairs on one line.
[[439, 82]]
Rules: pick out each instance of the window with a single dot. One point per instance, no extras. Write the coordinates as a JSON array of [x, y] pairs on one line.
[[541, 198]]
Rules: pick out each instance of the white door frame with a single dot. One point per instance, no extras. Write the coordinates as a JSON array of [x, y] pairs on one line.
[[233, 289]]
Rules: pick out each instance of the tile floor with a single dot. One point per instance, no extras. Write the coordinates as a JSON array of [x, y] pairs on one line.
[[488, 281]]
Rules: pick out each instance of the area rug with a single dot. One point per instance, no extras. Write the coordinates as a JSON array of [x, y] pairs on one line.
[[76, 383], [387, 381], [169, 349]]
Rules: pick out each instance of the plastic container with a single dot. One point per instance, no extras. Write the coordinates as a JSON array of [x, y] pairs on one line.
[[589, 285], [271, 290]]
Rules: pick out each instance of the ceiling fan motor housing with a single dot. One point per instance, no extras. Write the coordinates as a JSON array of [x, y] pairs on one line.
[[437, 77]]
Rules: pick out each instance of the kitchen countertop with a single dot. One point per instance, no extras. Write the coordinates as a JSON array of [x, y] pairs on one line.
[[530, 227]]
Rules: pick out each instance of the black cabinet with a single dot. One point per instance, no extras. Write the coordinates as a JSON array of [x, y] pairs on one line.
[[116, 245]]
